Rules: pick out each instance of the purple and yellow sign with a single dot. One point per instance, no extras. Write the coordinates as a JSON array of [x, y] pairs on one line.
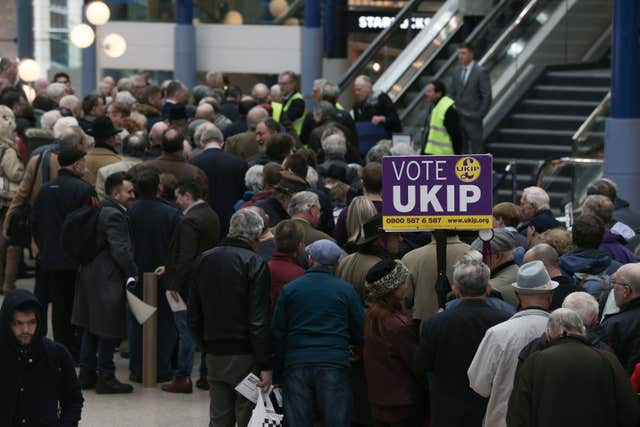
[[437, 192]]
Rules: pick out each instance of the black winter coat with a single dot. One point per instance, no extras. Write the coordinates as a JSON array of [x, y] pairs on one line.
[[197, 231], [55, 201], [448, 343], [378, 104], [225, 173], [572, 383], [153, 222], [229, 302], [100, 299], [621, 331], [39, 386]]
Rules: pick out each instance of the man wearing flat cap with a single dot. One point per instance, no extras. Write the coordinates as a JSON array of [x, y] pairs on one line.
[[104, 153], [317, 318], [500, 260], [276, 205], [493, 368], [57, 198]]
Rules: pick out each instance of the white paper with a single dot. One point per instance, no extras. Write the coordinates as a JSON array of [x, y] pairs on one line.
[[175, 306], [623, 230], [401, 138], [248, 387], [141, 310]]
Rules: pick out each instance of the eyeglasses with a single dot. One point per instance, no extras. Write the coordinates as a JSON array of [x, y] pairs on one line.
[[624, 285]]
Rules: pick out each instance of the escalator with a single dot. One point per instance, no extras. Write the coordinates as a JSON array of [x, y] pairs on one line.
[[513, 43]]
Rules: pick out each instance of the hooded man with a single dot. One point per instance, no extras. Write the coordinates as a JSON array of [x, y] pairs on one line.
[[39, 384]]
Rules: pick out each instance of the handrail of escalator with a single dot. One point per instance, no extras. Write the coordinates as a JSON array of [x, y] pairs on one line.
[[380, 39], [581, 133], [509, 31], [481, 27]]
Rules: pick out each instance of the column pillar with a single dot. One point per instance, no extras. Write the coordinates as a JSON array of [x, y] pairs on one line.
[[622, 147], [184, 44], [312, 45]]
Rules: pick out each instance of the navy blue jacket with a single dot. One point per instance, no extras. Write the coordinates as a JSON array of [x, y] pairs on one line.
[[317, 317]]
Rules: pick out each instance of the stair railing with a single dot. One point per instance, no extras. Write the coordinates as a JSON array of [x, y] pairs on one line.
[[509, 169], [581, 134]]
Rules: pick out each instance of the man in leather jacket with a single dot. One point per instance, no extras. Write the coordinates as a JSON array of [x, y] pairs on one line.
[[228, 314]]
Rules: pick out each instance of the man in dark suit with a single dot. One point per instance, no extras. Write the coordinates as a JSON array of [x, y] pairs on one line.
[[197, 231], [445, 361], [471, 91], [55, 200], [153, 222], [176, 94], [225, 173], [374, 106]]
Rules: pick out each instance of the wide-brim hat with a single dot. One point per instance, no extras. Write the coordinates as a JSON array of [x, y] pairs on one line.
[[534, 279], [103, 128], [290, 183], [372, 229]]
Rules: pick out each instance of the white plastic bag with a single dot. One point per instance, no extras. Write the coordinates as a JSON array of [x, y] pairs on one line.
[[264, 415]]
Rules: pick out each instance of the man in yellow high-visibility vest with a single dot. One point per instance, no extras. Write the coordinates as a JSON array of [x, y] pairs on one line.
[[293, 105], [444, 135]]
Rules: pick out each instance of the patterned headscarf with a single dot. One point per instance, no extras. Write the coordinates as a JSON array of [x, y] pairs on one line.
[[388, 283]]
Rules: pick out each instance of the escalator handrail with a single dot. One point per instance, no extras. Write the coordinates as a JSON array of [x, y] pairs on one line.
[[581, 133], [293, 8], [509, 31], [377, 42], [451, 60]]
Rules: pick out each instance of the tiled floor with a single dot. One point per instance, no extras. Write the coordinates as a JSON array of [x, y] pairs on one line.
[[145, 407]]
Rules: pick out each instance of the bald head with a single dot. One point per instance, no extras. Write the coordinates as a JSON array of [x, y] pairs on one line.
[[205, 111], [545, 253], [362, 87], [626, 283], [155, 136]]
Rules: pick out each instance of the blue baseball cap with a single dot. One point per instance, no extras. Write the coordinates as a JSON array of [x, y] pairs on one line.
[[324, 252]]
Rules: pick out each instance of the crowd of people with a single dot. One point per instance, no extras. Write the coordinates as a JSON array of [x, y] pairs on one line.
[[264, 219]]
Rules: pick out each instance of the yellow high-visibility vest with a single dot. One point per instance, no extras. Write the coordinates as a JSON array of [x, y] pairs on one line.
[[438, 139], [277, 111], [297, 124]]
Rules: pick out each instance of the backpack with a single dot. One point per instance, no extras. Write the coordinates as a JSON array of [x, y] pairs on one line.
[[80, 234], [594, 284]]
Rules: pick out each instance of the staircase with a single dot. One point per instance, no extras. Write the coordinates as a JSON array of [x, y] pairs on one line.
[[540, 127]]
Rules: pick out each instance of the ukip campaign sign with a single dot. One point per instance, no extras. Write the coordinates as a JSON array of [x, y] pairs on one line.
[[437, 192]]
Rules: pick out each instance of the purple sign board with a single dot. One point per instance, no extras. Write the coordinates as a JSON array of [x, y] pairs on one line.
[[437, 192]]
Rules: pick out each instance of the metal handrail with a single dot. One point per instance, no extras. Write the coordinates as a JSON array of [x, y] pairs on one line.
[[581, 133], [512, 28], [481, 27], [380, 39]]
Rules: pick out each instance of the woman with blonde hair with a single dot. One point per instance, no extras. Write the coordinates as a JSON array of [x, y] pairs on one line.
[[360, 210]]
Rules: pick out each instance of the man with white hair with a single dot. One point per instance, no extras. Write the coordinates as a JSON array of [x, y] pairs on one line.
[[62, 124], [536, 211], [56, 91], [304, 207], [49, 119], [374, 106], [571, 382], [73, 104], [276, 94], [215, 80], [260, 93], [335, 166], [225, 174], [586, 306], [228, 314], [244, 144]]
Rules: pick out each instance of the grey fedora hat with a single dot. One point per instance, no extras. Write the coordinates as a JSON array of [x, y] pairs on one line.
[[534, 279]]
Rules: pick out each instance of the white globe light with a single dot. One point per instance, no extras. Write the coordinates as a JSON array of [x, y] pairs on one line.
[[98, 13], [28, 70], [82, 36], [233, 17], [114, 45]]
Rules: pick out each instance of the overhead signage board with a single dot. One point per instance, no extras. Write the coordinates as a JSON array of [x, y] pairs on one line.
[[437, 192], [376, 21]]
